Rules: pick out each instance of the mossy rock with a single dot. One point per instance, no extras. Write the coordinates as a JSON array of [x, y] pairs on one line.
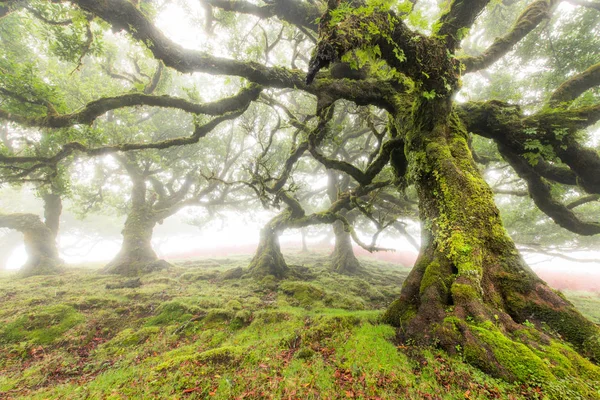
[[219, 315], [92, 303], [344, 302], [269, 282], [241, 319], [266, 317], [305, 294], [130, 337], [328, 326], [221, 355], [233, 305], [171, 312], [199, 276], [305, 353], [41, 326]]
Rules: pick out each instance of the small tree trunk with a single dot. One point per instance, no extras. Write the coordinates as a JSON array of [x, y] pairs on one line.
[[343, 260], [52, 212], [136, 255], [268, 259], [470, 290], [39, 241]]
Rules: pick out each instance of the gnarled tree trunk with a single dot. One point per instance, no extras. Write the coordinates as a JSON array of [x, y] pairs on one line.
[[343, 260], [137, 255], [268, 259], [470, 290], [39, 241]]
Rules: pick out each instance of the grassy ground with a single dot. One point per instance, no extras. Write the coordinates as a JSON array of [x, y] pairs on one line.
[[189, 333]]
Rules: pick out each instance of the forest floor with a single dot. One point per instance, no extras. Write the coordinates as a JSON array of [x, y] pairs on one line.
[[199, 330]]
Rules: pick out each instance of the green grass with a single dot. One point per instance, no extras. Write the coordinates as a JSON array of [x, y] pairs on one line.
[[186, 334]]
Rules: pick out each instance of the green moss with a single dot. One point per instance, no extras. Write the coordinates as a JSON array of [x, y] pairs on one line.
[[217, 315], [171, 312], [305, 294], [434, 276], [227, 354], [464, 292], [41, 326], [129, 338], [233, 305], [569, 324], [240, 319], [518, 359], [327, 326], [305, 353], [269, 282], [398, 314]]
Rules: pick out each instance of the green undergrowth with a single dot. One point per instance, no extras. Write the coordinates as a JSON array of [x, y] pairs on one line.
[[195, 331]]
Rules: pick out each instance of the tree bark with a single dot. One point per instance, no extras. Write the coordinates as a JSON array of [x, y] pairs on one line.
[[268, 259], [343, 260], [39, 241], [137, 255], [470, 290], [52, 212]]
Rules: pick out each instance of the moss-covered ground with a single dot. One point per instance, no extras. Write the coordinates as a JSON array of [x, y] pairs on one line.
[[189, 333]]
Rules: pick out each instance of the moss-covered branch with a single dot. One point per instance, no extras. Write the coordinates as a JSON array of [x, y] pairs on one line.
[[575, 86], [533, 15], [122, 14], [459, 16], [295, 12], [200, 131], [541, 193], [553, 131], [96, 108]]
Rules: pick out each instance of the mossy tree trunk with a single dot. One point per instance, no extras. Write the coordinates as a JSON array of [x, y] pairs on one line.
[[343, 260], [268, 259], [52, 212], [137, 255], [470, 290], [40, 244]]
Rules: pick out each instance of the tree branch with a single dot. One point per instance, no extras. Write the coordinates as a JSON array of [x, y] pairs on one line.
[[574, 87], [461, 15], [541, 193], [533, 15], [96, 108], [295, 12]]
